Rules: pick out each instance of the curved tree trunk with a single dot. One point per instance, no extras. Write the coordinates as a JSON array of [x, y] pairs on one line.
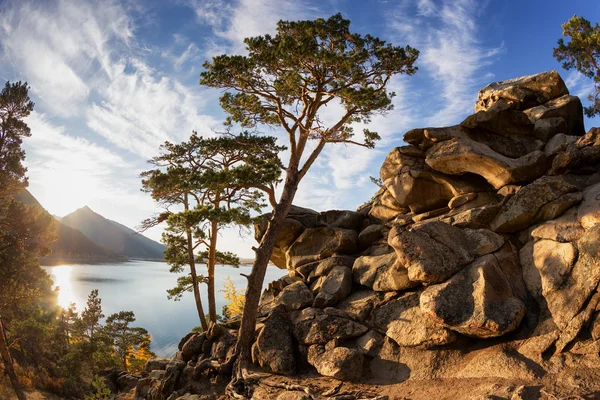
[[245, 337], [212, 258], [8, 364], [192, 262]]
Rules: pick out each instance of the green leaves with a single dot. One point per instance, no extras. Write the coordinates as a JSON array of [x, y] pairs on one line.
[[285, 79], [582, 53]]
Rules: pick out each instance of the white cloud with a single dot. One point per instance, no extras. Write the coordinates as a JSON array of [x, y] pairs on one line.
[[579, 85], [447, 34]]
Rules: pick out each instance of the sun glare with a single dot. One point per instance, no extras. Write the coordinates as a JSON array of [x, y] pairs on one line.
[[62, 280]]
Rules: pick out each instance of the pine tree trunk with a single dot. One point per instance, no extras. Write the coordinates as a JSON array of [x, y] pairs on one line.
[[255, 280], [8, 364], [212, 258], [192, 262]]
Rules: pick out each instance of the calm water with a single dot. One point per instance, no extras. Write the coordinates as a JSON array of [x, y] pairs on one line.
[[140, 286]]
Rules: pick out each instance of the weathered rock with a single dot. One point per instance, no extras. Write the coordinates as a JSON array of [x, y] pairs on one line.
[[405, 323], [385, 207], [558, 143], [547, 128], [432, 252], [588, 213], [416, 186], [430, 214], [321, 268], [583, 155], [523, 92], [564, 229], [320, 243], [460, 200], [461, 156], [478, 301], [193, 346], [343, 219], [155, 364], [370, 343], [274, 347], [314, 326], [483, 241], [567, 107], [360, 304], [370, 234], [339, 362], [557, 207], [293, 395], [366, 268], [522, 209], [295, 297], [501, 119], [336, 286], [126, 382]]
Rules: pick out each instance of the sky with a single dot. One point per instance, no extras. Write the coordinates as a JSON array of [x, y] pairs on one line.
[[112, 80]]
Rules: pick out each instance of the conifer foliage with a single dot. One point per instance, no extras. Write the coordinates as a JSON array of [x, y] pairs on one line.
[[204, 185]]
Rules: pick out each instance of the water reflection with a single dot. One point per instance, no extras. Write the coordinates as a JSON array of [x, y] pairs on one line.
[[62, 280]]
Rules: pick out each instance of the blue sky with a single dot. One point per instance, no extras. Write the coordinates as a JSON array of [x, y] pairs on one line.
[[113, 79]]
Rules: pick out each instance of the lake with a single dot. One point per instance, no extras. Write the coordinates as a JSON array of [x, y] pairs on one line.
[[140, 286]]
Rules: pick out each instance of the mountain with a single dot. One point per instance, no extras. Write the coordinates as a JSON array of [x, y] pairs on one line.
[[113, 236], [71, 244]]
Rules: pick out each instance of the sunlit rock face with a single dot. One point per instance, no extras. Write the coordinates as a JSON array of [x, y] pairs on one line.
[[486, 229]]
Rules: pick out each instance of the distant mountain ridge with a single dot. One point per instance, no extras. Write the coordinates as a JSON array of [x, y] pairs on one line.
[[113, 236], [71, 245], [85, 236]]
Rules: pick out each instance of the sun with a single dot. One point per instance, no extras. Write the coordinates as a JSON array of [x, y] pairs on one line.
[[62, 279]]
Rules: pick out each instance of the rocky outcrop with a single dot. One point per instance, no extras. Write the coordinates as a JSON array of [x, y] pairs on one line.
[[479, 257]]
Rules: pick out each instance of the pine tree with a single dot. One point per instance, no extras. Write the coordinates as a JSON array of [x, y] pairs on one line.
[[217, 182], [582, 53], [128, 341], [286, 81]]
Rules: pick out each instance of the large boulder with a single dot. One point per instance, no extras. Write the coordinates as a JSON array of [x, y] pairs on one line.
[[382, 273], [274, 347], [501, 119], [336, 362], [295, 296], [579, 157], [478, 301], [434, 251], [523, 92], [588, 213], [567, 107], [319, 243], [462, 156], [315, 326], [193, 346], [403, 321], [526, 206], [335, 287], [416, 186]]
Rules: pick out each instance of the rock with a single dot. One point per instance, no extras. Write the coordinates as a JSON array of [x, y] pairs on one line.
[[370, 234], [558, 143], [567, 107], [501, 119], [416, 186], [430, 214], [581, 156], [461, 200], [193, 346], [322, 268], [126, 382], [461, 156], [522, 209], [382, 273], [319, 243], [478, 301], [343, 219], [156, 364], [432, 251], [483, 241], [497, 364], [523, 92], [360, 304], [557, 207], [588, 213], [289, 232], [547, 128], [274, 347], [385, 207], [405, 323], [571, 331], [562, 276], [336, 286], [293, 395], [370, 343], [314, 326], [339, 362], [564, 229], [295, 297]]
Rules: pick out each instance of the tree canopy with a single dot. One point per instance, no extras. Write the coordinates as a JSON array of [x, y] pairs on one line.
[[582, 53]]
